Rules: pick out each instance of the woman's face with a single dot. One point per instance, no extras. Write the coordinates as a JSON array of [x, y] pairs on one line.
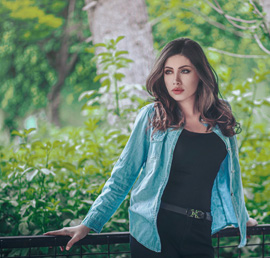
[[181, 79]]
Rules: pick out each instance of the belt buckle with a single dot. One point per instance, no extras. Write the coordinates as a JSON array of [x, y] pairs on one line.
[[197, 214]]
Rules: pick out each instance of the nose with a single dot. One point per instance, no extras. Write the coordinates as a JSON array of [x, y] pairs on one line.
[[177, 79]]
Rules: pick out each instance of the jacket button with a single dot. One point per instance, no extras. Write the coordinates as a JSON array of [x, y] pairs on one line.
[[233, 171], [231, 194]]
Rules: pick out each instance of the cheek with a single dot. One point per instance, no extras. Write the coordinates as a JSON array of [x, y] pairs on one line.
[[194, 82], [167, 82]]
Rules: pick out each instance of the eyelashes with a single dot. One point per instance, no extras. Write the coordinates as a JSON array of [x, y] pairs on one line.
[[184, 71]]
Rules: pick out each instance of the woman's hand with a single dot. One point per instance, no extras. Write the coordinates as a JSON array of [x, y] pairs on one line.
[[76, 233], [252, 222]]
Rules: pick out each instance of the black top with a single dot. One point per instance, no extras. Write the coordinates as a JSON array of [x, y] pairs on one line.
[[196, 162]]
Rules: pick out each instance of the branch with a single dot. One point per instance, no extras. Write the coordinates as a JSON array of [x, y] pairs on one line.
[[220, 11], [71, 62], [89, 6], [256, 9], [219, 25], [230, 19], [89, 39], [236, 55], [242, 27], [260, 44], [71, 9], [159, 18], [250, 116]]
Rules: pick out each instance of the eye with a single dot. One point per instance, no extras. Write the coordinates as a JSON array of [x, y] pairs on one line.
[[185, 71], [167, 71]]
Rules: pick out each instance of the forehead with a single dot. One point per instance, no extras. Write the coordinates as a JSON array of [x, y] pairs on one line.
[[177, 60]]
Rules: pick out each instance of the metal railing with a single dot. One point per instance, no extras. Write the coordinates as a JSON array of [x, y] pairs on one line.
[[112, 244]]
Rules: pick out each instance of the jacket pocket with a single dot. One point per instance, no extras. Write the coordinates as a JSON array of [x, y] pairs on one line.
[[156, 144]]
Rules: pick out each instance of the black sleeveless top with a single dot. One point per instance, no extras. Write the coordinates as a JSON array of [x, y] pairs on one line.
[[196, 162]]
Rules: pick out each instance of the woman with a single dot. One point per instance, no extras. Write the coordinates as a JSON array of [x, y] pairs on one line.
[[185, 149]]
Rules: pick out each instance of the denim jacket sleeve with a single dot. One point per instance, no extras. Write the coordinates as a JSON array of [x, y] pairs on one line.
[[123, 175], [237, 178], [235, 149]]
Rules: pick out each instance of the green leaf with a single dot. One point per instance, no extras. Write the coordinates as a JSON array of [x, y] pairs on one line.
[[27, 170], [118, 53], [120, 220], [106, 82], [66, 222], [37, 144], [98, 77], [46, 171], [87, 94], [14, 132], [90, 50], [126, 60], [31, 175], [69, 166], [103, 54], [100, 45], [33, 203], [119, 76], [106, 60], [56, 144], [14, 203], [119, 38], [48, 145], [23, 228], [120, 66], [28, 131]]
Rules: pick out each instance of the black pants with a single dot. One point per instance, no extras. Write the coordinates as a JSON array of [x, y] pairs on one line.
[[180, 235]]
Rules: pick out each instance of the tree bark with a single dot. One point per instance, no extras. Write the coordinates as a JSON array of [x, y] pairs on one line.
[[111, 18], [63, 64], [266, 8]]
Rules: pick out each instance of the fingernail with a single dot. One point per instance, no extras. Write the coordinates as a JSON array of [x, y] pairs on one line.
[[67, 248]]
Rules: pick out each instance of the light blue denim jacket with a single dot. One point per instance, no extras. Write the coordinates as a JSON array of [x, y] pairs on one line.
[[151, 158]]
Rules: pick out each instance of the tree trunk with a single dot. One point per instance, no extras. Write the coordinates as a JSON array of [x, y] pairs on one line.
[[63, 68], [111, 18], [266, 8]]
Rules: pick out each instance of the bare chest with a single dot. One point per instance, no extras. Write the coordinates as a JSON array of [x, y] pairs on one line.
[[196, 127]]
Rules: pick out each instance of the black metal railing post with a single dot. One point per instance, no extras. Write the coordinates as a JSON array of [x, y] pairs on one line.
[[218, 243], [1, 242], [263, 243], [30, 240], [55, 247]]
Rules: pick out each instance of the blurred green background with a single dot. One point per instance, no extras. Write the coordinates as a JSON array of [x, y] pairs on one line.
[[51, 175]]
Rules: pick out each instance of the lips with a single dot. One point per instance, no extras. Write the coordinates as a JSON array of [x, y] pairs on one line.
[[177, 90]]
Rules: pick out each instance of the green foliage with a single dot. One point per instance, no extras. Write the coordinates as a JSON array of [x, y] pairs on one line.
[[100, 104], [254, 149], [29, 47], [51, 182], [38, 24], [109, 63], [198, 20], [50, 177]]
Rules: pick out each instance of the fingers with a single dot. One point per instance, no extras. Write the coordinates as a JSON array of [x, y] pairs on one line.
[[76, 233], [55, 232], [71, 242], [60, 232], [252, 222]]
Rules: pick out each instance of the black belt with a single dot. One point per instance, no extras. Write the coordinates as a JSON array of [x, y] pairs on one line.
[[197, 214]]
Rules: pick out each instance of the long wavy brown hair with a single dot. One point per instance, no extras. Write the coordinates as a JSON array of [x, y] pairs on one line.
[[212, 109]]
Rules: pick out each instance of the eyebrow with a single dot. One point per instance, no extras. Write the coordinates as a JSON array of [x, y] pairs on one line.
[[178, 67]]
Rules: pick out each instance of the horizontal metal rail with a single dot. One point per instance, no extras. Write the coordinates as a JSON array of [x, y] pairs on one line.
[[111, 238]]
